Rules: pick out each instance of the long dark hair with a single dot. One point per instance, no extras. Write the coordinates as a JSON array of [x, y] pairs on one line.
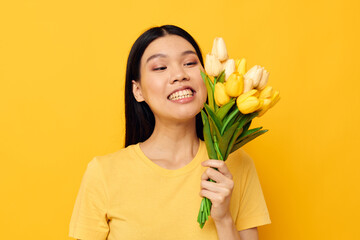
[[140, 121]]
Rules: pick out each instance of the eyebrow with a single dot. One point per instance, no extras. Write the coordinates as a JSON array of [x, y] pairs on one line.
[[163, 55]]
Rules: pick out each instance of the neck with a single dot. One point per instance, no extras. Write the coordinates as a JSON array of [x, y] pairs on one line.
[[175, 141]]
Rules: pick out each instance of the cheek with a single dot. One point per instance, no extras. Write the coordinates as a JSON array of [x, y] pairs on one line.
[[151, 87], [202, 89], [204, 93]]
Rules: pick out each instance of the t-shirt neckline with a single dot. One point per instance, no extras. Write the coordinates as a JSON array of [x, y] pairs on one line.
[[172, 172]]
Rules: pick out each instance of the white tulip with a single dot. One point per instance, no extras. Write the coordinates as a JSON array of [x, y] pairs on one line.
[[263, 80], [219, 49], [248, 85], [212, 65], [229, 67], [255, 74]]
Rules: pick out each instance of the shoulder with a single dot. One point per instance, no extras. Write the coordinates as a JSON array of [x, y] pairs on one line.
[[115, 160], [241, 165], [240, 159]]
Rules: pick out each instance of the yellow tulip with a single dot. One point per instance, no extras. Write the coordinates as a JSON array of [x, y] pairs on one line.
[[212, 65], [241, 67], [251, 104], [269, 98], [219, 49], [275, 98], [243, 96], [237, 63], [220, 95], [248, 102], [267, 92], [234, 85], [266, 104]]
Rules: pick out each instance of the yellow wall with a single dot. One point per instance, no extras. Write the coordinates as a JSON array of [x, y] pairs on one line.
[[62, 66]]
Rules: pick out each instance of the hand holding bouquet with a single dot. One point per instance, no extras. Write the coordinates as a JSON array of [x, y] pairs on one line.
[[235, 97]]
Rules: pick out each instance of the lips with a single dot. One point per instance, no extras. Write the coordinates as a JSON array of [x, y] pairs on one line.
[[180, 93]]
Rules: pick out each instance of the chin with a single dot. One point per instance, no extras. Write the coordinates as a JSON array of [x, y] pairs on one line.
[[185, 116]]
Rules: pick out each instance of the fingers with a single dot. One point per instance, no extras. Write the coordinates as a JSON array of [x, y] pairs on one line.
[[223, 178], [217, 187], [220, 165], [215, 198]]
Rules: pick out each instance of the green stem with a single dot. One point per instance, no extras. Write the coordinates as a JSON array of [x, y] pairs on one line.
[[205, 206], [217, 149]]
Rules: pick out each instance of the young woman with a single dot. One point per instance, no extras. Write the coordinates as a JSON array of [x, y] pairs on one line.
[[152, 188]]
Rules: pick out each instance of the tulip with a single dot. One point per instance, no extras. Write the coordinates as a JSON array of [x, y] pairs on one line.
[[251, 104], [267, 92], [219, 49], [234, 85], [241, 67], [212, 65], [263, 80], [266, 105], [248, 84], [269, 98], [248, 102], [275, 98], [237, 63], [229, 67], [220, 95], [255, 74]]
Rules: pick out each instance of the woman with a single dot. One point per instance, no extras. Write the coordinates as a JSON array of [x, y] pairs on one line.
[[152, 189]]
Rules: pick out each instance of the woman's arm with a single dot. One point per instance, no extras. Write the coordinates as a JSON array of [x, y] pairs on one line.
[[249, 234], [219, 192], [226, 230]]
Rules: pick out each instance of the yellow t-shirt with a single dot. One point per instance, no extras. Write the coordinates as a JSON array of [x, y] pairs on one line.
[[124, 195]]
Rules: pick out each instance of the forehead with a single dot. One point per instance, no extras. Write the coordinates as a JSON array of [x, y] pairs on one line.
[[170, 45]]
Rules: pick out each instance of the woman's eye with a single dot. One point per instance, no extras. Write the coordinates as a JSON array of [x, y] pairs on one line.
[[159, 68], [190, 63]]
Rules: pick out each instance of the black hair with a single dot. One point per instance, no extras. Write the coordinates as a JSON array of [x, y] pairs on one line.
[[140, 120]]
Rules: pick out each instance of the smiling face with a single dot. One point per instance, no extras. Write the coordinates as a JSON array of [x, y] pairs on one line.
[[170, 81]]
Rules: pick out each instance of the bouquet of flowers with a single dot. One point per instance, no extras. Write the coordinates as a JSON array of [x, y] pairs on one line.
[[235, 97]]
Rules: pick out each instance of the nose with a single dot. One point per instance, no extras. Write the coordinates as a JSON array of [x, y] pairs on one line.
[[178, 74]]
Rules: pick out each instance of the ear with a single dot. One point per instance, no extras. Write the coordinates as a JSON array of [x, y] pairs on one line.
[[137, 91]]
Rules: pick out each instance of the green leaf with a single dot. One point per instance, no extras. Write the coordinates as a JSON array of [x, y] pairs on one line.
[[213, 116], [206, 78], [221, 112], [231, 117], [246, 133], [226, 138], [236, 134], [246, 119], [207, 136], [248, 139], [210, 89], [232, 121], [221, 77], [245, 128]]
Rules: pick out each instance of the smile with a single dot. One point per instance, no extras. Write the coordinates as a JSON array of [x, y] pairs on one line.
[[186, 93]]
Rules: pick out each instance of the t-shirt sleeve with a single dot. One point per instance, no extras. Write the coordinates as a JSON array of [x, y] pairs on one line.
[[253, 211], [89, 218]]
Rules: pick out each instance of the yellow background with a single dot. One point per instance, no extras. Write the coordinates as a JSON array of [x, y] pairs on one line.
[[62, 67]]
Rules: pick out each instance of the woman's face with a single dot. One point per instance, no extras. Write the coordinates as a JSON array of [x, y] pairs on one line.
[[170, 81]]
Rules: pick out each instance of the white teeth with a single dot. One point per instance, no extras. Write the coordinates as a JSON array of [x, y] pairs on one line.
[[181, 94]]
